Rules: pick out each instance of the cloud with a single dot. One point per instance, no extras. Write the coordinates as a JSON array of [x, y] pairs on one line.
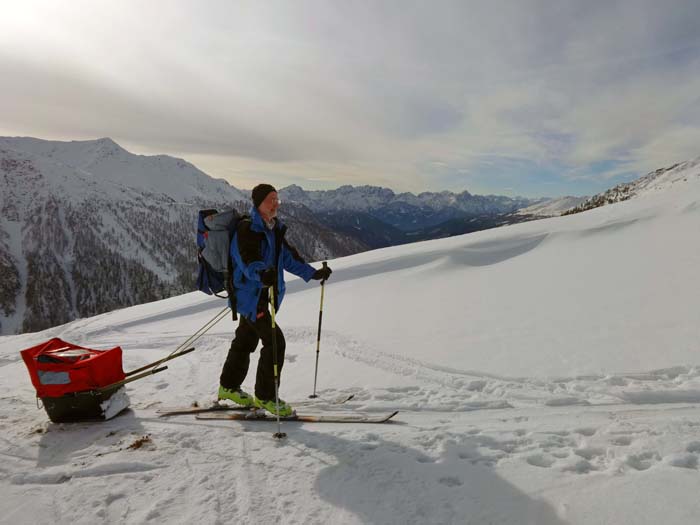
[[366, 92]]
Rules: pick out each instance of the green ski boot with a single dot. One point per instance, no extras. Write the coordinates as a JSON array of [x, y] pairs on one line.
[[238, 396], [270, 405]]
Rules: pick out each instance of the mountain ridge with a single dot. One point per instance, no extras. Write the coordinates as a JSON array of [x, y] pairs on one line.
[[657, 180]]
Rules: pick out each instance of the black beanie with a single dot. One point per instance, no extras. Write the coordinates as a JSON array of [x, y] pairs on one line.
[[260, 192]]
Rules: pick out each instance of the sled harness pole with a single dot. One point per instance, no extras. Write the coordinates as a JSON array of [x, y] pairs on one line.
[[279, 434], [156, 363], [179, 350], [318, 337], [118, 384]]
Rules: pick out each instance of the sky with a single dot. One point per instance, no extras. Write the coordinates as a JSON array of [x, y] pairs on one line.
[[530, 98]]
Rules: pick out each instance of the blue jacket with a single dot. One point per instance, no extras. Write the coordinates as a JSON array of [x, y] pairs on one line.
[[253, 250]]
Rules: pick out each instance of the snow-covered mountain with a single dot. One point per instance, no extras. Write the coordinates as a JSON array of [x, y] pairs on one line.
[[545, 373], [103, 168], [404, 211], [659, 180], [87, 227], [552, 207], [379, 217]]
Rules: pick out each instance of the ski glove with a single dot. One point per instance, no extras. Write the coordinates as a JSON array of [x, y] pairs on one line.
[[322, 274], [268, 277]]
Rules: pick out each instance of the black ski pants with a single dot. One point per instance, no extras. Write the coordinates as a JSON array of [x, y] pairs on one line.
[[248, 334]]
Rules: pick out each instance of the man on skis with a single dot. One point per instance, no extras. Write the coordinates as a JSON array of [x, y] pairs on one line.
[[260, 254]]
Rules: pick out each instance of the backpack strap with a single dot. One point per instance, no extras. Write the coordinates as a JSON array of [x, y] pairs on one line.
[[230, 289]]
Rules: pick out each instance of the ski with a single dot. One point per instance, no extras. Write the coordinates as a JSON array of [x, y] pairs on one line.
[[180, 411], [217, 407], [259, 415]]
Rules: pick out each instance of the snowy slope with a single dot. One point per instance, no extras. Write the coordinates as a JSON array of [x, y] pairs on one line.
[[103, 160], [658, 180], [546, 373], [552, 207]]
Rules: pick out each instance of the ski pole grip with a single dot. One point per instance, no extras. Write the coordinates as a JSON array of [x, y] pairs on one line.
[[325, 265]]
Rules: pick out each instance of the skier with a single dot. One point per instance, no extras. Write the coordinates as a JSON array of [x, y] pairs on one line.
[[260, 254]]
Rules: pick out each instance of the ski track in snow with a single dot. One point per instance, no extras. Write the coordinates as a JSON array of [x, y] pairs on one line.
[[456, 390]]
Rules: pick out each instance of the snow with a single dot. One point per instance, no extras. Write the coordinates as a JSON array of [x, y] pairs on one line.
[[545, 373], [80, 167], [552, 207]]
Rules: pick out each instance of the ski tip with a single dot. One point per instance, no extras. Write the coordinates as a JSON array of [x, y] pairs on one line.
[[391, 415]]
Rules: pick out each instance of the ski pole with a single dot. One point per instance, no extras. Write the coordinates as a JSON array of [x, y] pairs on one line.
[[279, 434], [318, 337]]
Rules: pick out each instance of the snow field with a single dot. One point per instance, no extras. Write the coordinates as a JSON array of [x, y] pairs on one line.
[[446, 459]]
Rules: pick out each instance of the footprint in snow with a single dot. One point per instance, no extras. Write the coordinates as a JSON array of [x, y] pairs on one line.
[[693, 446], [580, 467], [540, 460], [688, 460], [589, 453], [621, 441], [643, 461], [555, 441], [588, 431], [476, 386], [450, 481]]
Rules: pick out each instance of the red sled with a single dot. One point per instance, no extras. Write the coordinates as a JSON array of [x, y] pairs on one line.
[[70, 380]]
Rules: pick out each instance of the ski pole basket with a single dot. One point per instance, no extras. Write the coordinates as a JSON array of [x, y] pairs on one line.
[[70, 380]]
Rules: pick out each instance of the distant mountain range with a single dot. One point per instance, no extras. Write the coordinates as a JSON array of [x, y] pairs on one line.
[[87, 227], [379, 217]]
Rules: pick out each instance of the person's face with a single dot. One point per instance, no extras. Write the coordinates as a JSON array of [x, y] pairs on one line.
[[268, 207]]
